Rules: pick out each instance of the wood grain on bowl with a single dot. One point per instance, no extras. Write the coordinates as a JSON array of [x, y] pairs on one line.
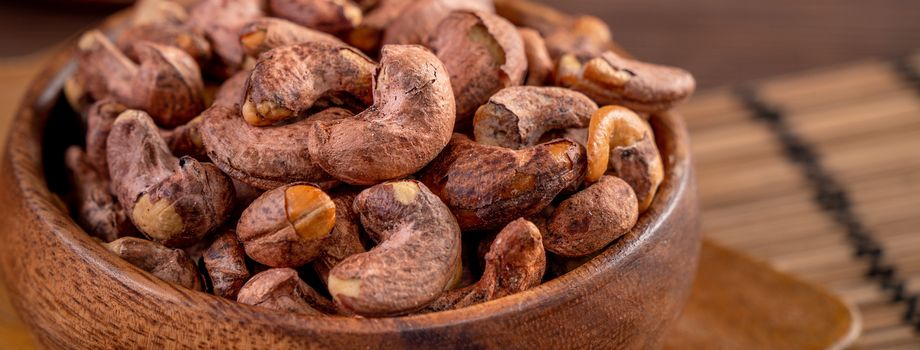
[[71, 293]]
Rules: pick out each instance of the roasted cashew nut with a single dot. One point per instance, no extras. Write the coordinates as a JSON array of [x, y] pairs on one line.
[[288, 81], [409, 124], [268, 33], [612, 79], [282, 289], [345, 238], [220, 22], [539, 64], [592, 218], [517, 117], [418, 20], [336, 17], [225, 262], [173, 201], [168, 264], [415, 261], [98, 210], [618, 138]]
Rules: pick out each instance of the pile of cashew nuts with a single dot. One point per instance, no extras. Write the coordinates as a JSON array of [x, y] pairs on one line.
[[362, 158]]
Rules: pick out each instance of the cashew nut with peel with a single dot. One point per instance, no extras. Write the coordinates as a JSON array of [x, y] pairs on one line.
[[288, 81], [168, 264], [167, 84], [345, 238], [517, 117], [514, 263], [483, 54], [264, 157], [486, 187], [97, 209], [539, 63], [409, 124], [611, 79], [225, 262], [282, 289], [336, 17], [287, 226], [582, 35], [415, 261], [268, 33], [417, 21], [368, 35], [620, 139], [220, 22], [589, 220], [174, 201]]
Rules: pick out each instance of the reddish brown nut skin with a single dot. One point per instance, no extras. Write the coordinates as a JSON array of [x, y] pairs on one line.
[[192, 43], [417, 21], [515, 262], [483, 54], [173, 201], [288, 81], [100, 117], [409, 124], [282, 289], [220, 22], [518, 117], [168, 264], [415, 261], [225, 262], [231, 91], [168, 85], [539, 63], [345, 238], [97, 209], [589, 220], [268, 33], [486, 187], [611, 79], [263, 157], [331, 16], [584, 36], [269, 235]]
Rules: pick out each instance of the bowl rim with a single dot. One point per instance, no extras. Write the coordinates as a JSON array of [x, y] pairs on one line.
[[24, 156]]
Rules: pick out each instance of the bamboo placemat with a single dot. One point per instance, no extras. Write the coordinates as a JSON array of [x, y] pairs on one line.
[[819, 175]]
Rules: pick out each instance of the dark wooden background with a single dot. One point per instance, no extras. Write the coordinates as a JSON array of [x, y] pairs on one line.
[[720, 41]]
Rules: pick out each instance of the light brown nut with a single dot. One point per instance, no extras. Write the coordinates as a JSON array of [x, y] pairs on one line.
[[97, 209], [220, 22], [175, 202], [515, 262], [368, 35], [168, 264], [621, 140], [190, 42], [345, 238], [410, 122], [483, 54], [288, 81], [486, 187], [612, 79], [225, 262], [517, 117], [336, 17], [419, 20], [167, 84], [415, 261], [287, 226], [100, 117], [539, 64], [267, 33], [282, 289], [264, 157], [589, 220]]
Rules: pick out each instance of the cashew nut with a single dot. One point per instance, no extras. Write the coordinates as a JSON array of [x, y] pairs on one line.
[[487, 187], [97, 210], [100, 117], [167, 84], [158, 12], [282, 289], [220, 22], [231, 91], [483, 54], [225, 262], [268, 33], [336, 17], [264, 157], [417, 21], [583, 35], [345, 238], [286, 227], [173, 201], [589, 220], [415, 261], [410, 122], [517, 117], [618, 138], [368, 35], [169, 34], [514, 263], [286, 82], [612, 79], [168, 264], [539, 64]]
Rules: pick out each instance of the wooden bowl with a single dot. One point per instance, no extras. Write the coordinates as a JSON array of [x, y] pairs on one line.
[[72, 293]]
